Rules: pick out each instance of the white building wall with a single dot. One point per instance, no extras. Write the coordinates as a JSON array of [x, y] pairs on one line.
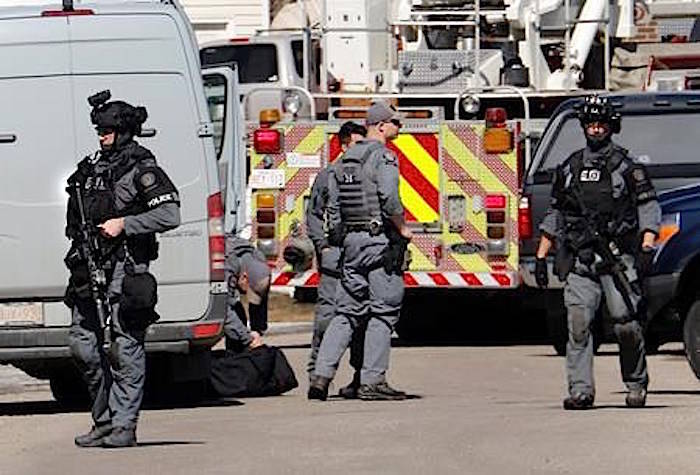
[[217, 19]]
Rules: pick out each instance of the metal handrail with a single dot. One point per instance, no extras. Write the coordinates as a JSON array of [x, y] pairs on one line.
[[526, 128], [312, 104]]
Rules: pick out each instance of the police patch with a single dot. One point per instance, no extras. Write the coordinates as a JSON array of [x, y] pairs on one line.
[[389, 158], [148, 179]]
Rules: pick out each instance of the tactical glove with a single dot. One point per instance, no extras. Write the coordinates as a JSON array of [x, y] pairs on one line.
[[541, 272], [644, 263]]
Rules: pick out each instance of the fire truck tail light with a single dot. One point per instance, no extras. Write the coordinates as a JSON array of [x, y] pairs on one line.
[[266, 216], [524, 218], [498, 140], [495, 117], [217, 240], [267, 141], [265, 200], [495, 201]]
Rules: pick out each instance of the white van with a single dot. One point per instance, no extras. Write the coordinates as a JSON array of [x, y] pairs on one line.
[[52, 57]]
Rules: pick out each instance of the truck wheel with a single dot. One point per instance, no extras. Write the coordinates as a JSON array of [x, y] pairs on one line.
[[69, 389], [691, 337]]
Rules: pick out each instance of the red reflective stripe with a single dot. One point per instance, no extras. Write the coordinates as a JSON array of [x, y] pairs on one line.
[[470, 279], [313, 280], [430, 143], [283, 278], [502, 279], [439, 279], [409, 280], [409, 216], [417, 180]]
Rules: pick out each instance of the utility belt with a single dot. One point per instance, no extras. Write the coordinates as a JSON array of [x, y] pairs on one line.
[[374, 227]]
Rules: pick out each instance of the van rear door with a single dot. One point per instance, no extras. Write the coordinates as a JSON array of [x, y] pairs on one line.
[[222, 90], [38, 154]]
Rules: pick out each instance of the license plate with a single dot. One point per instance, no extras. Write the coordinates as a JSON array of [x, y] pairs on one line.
[[21, 314]]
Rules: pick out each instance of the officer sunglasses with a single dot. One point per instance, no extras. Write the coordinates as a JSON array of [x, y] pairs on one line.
[[104, 130], [396, 122]]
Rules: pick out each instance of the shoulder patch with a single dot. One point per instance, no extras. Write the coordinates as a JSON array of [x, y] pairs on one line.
[[389, 157], [148, 179]]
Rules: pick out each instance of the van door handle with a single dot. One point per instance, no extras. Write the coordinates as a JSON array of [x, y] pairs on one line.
[[8, 138]]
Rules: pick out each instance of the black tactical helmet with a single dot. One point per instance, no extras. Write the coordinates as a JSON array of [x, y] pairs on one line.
[[598, 109], [117, 115]]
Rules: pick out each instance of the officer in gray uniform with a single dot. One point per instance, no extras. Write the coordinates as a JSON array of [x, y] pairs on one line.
[[601, 189], [246, 272], [132, 198], [366, 219], [327, 258]]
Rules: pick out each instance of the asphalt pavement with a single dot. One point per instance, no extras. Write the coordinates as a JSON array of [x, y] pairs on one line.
[[476, 410]]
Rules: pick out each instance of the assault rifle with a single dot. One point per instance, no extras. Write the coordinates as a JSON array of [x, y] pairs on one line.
[[604, 247], [93, 253]]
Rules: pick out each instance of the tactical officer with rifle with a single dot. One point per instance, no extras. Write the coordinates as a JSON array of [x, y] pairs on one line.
[[366, 220], [604, 217], [118, 199], [327, 259]]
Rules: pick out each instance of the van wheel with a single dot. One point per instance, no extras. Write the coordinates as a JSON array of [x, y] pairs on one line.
[[691, 337], [69, 389]]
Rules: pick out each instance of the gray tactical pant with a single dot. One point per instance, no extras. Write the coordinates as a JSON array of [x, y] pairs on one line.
[[116, 389], [325, 304], [582, 296], [366, 291]]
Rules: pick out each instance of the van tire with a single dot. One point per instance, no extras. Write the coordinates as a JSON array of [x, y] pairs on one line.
[[691, 337], [69, 389]]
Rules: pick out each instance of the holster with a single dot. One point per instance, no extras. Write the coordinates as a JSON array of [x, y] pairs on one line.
[[395, 257], [138, 300], [564, 262]]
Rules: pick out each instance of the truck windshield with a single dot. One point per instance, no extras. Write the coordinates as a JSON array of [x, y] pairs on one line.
[[654, 139], [257, 63]]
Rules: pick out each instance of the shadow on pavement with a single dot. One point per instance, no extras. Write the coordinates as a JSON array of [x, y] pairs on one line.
[[168, 442], [33, 408]]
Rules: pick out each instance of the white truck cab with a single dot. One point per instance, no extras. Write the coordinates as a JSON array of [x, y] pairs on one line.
[[52, 57]]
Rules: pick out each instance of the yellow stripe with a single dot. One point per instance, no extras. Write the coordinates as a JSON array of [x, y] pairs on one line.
[[419, 261], [415, 203], [420, 158], [313, 142]]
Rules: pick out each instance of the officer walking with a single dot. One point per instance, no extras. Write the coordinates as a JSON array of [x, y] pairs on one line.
[[246, 272], [601, 195], [366, 219], [126, 191], [327, 258]]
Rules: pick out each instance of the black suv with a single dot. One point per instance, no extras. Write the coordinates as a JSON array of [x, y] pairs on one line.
[[663, 132]]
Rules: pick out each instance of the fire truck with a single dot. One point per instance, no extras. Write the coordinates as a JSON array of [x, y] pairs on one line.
[[476, 82]]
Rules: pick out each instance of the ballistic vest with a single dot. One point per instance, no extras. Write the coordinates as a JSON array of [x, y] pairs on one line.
[[359, 200]]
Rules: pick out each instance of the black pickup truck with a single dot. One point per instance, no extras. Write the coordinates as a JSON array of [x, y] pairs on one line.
[[663, 132]]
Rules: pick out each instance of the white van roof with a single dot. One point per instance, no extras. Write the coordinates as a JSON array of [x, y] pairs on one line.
[[31, 7]]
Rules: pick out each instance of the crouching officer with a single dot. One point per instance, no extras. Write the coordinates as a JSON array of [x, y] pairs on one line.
[[366, 219], [122, 188], [327, 258], [604, 216], [247, 273]]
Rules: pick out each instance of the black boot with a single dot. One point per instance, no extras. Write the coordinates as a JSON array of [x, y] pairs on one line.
[[350, 391], [95, 437], [578, 402], [319, 389], [379, 392], [636, 397], [120, 437]]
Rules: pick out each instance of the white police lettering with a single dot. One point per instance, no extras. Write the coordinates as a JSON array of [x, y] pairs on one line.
[[348, 178], [159, 200], [590, 175]]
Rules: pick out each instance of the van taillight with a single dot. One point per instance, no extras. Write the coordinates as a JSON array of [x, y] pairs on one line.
[[497, 137], [267, 141], [524, 218], [217, 240], [61, 13]]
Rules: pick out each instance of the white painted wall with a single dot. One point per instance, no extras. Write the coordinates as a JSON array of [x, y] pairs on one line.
[[216, 19]]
